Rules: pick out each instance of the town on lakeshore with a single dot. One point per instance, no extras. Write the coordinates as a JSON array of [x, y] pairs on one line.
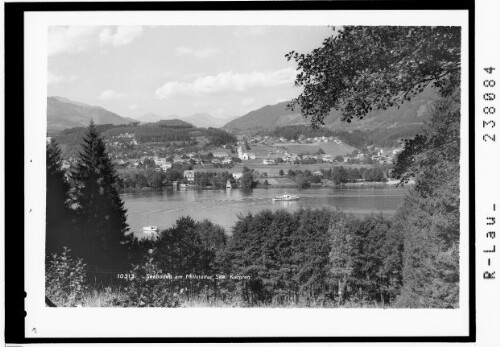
[[273, 160]]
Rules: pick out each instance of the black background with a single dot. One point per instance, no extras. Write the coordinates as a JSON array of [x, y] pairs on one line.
[[14, 158]]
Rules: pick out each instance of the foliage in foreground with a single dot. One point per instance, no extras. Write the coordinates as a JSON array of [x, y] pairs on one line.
[[277, 259], [65, 279], [430, 216]]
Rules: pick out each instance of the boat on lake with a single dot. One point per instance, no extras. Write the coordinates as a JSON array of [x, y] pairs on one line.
[[286, 197], [150, 229]]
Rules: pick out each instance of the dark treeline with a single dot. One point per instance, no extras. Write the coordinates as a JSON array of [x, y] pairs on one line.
[[162, 132], [156, 133], [216, 180], [338, 174], [306, 258], [219, 137], [381, 137], [149, 178]]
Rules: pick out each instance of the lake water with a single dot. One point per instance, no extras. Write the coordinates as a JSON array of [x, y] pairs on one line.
[[223, 206]]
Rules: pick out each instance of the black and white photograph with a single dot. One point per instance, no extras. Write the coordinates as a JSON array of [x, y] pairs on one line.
[[256, 166], [307, 171]]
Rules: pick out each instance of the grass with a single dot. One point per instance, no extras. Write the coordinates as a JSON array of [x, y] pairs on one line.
[[312, 148], [108, 297]]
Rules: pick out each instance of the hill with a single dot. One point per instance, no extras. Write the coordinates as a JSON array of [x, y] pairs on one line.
[[171, 123], [63, 113], [270, 117], [204, 120], [152, 117]]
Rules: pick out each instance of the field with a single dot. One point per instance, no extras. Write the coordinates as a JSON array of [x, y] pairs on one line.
[[312, 148], [261, 151]]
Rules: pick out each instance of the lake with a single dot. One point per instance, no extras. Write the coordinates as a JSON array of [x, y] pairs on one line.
[[222, 207]]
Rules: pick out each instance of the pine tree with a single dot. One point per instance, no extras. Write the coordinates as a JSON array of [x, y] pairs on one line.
[[59, 225], [103, 230]]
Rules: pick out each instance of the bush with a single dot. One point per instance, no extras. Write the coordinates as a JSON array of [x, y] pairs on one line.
[[143, 291], [65, 279]]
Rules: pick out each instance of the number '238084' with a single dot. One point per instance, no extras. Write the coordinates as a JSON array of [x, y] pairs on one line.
[[489, 110]]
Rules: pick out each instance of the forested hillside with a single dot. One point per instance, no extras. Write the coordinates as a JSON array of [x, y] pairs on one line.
[[405, 116], [160, 132]]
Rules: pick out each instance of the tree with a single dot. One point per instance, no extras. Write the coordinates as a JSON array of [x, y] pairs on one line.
[[321, 151], [339, 175], [302, 181], [149, 163], [102, 220], [247, 182], [58, 224], [431, 221], [281, 173], [359, 69]]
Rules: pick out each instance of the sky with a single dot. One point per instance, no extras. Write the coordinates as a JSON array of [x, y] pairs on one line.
[[225, 71]]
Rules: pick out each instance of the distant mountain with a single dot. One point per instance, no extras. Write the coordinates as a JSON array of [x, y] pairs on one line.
[[272, 116], [63, 113], [267, 117], [205, 120], [152, 117]]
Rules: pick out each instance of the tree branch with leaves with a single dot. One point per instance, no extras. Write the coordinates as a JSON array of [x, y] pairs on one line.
[[359, 69]]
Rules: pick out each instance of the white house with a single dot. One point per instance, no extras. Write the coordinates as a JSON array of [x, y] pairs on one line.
[[189, 175], [220, 154], [160, 161], [166, 165], [237, 175], [327, 158], [268, 162], [245, 156]]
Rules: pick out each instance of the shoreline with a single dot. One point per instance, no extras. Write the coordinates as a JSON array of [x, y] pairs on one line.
[[390, 184]]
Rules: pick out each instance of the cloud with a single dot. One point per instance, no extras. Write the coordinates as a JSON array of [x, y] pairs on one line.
[[228, 82], [247, 101], [249, 31], [110, 94], [79, 38], [53, 78], [70, 39], [121, 36], [197, 53]]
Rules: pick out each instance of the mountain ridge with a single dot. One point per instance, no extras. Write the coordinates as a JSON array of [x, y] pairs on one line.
[[63, 113], [272, 116]]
